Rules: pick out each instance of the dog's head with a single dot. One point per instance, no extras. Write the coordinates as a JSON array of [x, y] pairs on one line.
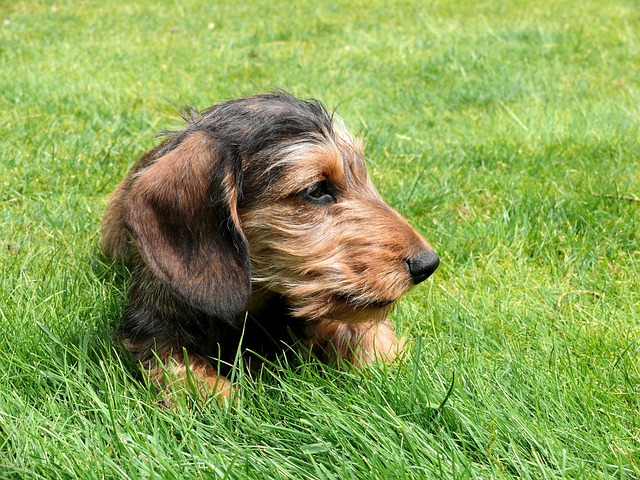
[[270, 194]]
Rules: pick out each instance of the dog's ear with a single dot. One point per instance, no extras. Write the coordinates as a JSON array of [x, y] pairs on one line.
[[182, 212]]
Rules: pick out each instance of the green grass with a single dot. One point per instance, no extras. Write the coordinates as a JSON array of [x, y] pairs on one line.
[[507, 132]]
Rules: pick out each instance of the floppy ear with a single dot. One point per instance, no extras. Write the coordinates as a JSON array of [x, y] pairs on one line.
[[182, 212]]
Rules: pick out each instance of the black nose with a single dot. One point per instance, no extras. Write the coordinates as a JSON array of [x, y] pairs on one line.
[[422, 266]]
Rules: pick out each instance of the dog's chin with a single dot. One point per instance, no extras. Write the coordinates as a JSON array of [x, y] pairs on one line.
[[378, 304], [346, 310], [342, 312], [334, 307], [363, 303]]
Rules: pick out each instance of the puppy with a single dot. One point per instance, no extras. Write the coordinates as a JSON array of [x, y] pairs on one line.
[[257, 223]]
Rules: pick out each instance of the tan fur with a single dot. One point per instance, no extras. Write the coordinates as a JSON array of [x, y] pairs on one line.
[[358, 344]]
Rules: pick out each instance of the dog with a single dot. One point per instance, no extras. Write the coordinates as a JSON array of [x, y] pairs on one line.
[[253, 227]]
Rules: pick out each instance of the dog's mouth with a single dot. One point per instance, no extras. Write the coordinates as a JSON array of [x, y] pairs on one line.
[[360, 303], [379, 303]]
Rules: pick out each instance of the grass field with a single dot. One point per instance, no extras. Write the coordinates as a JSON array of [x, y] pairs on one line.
[[506, 132]]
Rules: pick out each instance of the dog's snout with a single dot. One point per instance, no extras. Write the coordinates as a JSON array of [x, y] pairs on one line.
[[422, 266]]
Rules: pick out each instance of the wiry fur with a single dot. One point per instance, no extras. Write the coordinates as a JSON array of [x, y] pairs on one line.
[[258, 219]]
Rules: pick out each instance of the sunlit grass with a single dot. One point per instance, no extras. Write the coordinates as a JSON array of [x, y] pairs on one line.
[[507, 132]]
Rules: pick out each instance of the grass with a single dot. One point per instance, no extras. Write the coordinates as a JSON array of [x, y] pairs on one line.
[[507, 132]]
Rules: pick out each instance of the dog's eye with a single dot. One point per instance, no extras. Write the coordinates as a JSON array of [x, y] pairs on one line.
[[321, 193]]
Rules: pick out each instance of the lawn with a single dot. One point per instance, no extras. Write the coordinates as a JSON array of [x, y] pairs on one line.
[[506, 132]]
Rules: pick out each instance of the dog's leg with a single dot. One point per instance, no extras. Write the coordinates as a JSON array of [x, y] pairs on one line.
[[359, 344], [195, 372], [171, 369]]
